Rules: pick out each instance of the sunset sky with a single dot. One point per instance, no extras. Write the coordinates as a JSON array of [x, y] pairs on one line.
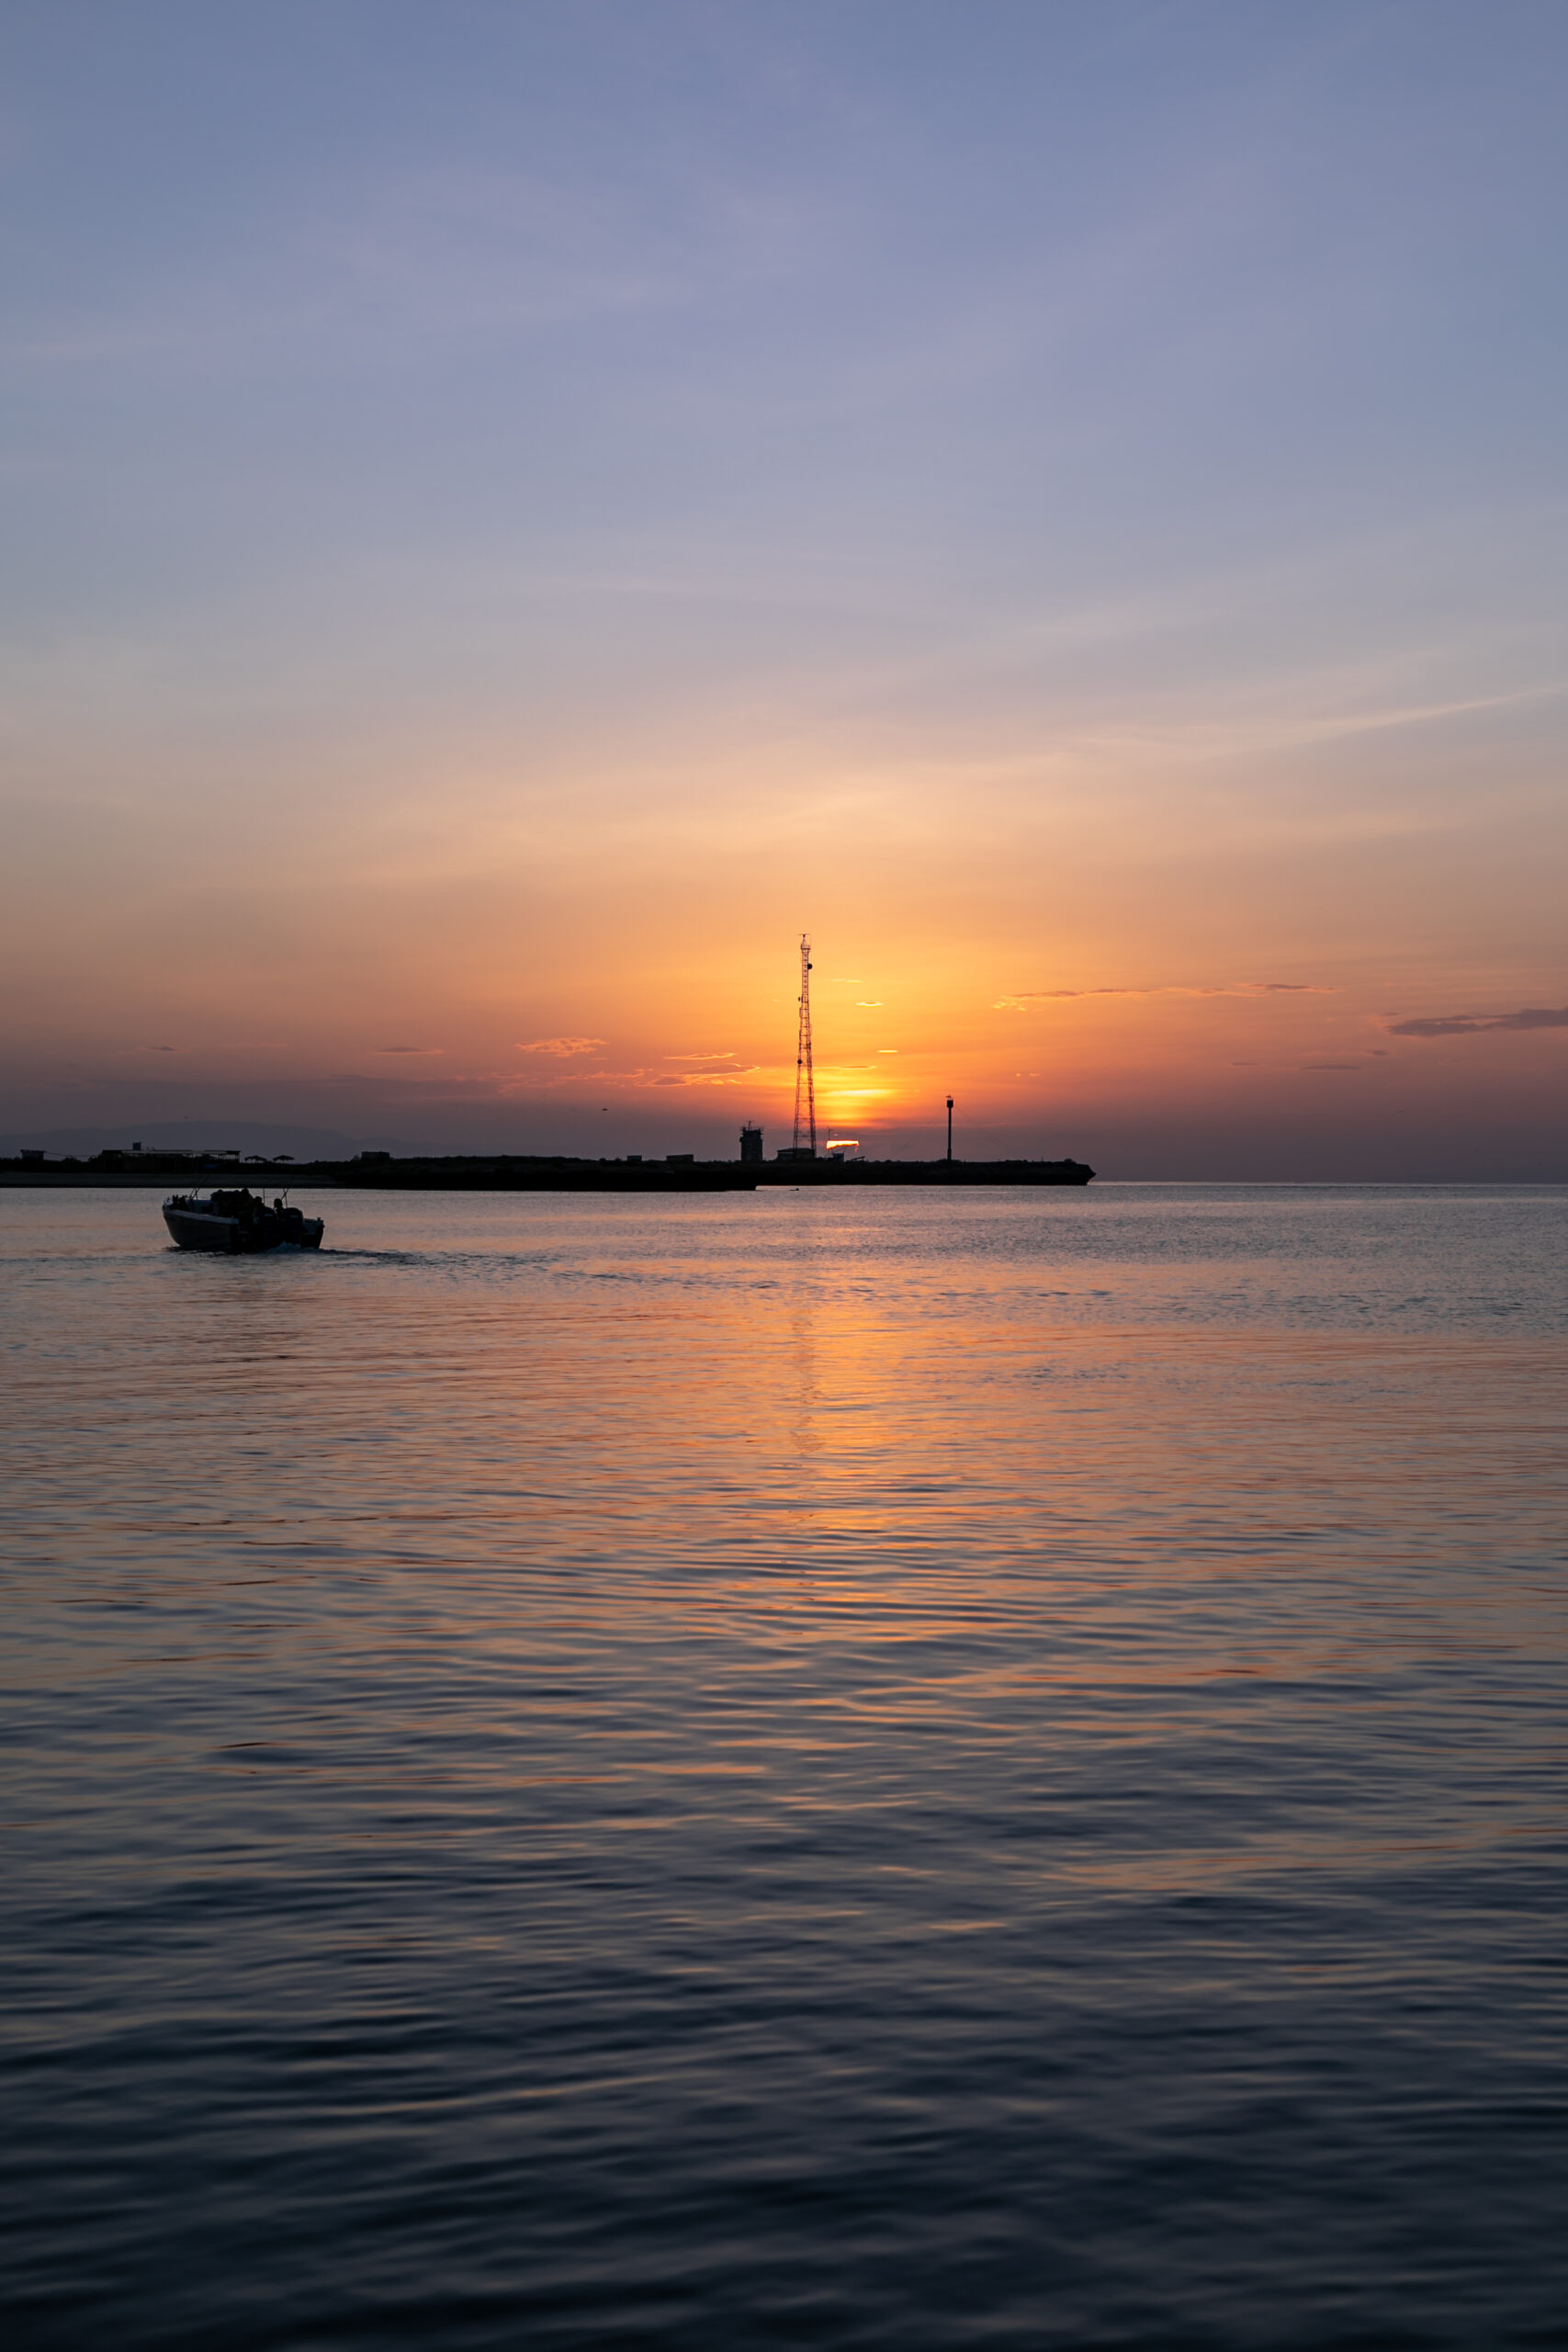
[[513, 512]]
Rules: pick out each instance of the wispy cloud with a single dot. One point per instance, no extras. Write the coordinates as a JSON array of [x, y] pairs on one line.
[[561, 1046], [1021, 1001], [706, 1066], [408, 1049], [1469, 1024], [724, 1073]]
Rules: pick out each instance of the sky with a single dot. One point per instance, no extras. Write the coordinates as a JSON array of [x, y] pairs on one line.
[[513, 514]]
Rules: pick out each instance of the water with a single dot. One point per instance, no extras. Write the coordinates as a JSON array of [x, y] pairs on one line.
[[898, 1769]]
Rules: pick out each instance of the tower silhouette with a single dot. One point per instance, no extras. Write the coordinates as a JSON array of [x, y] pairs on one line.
[[805, 1084]]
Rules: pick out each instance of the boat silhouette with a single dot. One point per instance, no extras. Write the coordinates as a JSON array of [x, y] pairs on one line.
[[238, 1220]]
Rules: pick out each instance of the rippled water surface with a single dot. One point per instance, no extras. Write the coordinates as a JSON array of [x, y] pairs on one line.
[[901, 1769]]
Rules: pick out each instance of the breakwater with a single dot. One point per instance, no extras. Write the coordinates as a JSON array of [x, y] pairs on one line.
[[522, 1173]]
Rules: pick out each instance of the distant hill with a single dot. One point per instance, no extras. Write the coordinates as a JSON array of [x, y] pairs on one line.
[[198, 1135]]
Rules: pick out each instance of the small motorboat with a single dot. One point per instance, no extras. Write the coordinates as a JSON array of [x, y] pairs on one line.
[[238, 1220]]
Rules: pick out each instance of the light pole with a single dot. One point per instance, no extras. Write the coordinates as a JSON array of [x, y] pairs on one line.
[[950, 1126]]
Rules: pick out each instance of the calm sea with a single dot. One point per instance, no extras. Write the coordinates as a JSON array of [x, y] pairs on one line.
[[893, 1770]]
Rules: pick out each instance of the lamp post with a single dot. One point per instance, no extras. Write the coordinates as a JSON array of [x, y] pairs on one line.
[[950, 1126]]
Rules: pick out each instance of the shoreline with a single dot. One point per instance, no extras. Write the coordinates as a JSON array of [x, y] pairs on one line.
[[522, 1173]]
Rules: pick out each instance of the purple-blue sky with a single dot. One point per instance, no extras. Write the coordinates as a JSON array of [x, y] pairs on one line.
[[513, 513]]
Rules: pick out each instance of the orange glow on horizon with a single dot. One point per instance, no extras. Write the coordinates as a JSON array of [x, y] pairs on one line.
[[632, 992]]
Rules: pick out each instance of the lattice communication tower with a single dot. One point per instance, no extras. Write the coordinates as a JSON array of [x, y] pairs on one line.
[[805, 1084]]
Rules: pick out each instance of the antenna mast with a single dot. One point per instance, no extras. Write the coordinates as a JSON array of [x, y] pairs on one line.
[[805, 1085]]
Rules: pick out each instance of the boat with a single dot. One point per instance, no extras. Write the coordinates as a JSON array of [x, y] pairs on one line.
[[238, 1220]]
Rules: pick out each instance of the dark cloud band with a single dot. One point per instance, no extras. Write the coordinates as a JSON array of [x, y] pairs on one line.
[[1469, 1024]]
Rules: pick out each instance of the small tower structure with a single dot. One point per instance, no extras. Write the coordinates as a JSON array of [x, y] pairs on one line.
[[805, 1084]]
